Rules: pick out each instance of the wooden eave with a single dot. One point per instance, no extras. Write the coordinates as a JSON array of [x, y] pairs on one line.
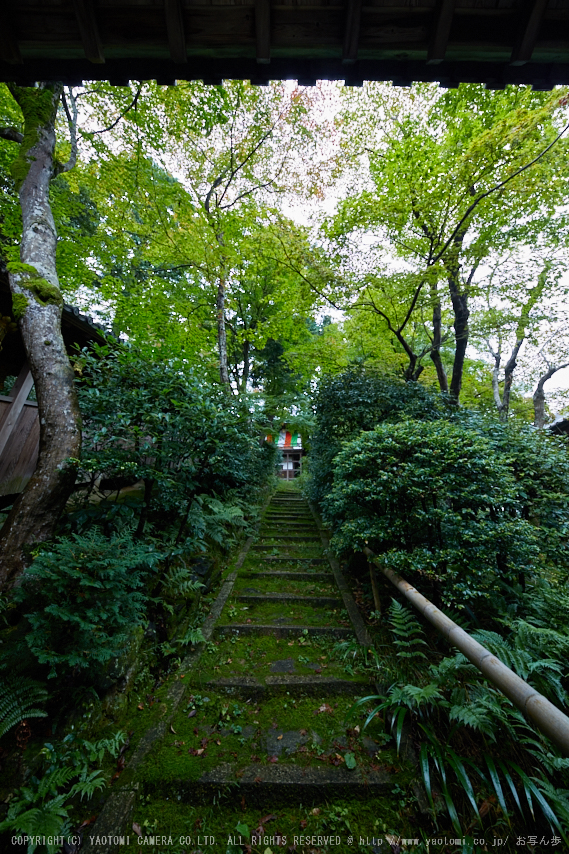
[[495, 42]]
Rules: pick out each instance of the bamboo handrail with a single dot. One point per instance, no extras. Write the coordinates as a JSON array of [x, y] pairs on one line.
[[547, 717]]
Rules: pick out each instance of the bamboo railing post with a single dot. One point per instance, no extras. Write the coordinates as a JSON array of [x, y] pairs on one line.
[[547, 717]]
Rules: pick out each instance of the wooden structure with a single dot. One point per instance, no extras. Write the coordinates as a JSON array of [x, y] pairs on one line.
[[487, 41], [19, 422], [290, 447]]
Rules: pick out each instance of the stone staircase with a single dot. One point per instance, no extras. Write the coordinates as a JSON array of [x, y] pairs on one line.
[[266, 707], [261, 718]]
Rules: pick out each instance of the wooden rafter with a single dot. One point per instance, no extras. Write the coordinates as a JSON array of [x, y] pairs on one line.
[[263, 30], [441, 32], [9, 50], [528, 33], [89, 30], [352, 31], [176, 31]]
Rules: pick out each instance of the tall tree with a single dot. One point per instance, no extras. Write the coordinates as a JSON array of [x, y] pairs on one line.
[[225, 146], [37, 305], [447, 178]]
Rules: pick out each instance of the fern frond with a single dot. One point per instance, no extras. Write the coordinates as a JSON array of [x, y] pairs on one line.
[[178, 583], [19, 700], [407, 631]]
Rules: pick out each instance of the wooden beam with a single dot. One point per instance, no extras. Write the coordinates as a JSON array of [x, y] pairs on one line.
[[263, 31], [352, 31], [439, 38], [528, 33], [22, 388], [176, 32], [9, 49], [89, 30]]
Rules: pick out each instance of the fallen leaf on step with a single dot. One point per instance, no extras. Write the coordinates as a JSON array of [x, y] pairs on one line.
[[304, 732], [279, 737], [273, 759]]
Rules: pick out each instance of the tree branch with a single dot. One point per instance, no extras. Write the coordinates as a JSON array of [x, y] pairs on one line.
[[489, 192], [132, 105], [11, 134], [72, 123]]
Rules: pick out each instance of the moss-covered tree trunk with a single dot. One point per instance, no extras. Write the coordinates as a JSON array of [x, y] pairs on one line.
[[37, 304]]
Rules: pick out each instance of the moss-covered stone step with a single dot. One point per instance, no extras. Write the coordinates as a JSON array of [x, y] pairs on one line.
[[273, 611], [288, 536], [314, 600], [263, 547], [285, 631], [266, 785], [295, 685], [292, 576], [288, 559], [243, 656], [257, 584], [288, 524]]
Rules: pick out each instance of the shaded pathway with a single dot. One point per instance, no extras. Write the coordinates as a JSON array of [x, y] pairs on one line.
[[259, 719]]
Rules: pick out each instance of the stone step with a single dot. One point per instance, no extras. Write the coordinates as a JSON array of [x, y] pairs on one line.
[[277, 559], [262, 784], [317, 601], [260, 547], [282, 631], [287, 683], [292, 576], [297, 538]]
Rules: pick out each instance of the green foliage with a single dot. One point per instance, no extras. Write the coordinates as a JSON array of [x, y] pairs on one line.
[[19, 699], [177, 583], [357, 400], [433, 500], [41, 807], [452, 698], [152, 419], [407, 633], [82, 596]]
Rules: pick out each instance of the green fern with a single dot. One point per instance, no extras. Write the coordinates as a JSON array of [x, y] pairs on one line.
[[19, 700], [543, 673], [407, 631], [178, 583]]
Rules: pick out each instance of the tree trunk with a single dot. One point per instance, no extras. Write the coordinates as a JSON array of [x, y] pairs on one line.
[[37, 303], [508, 379], [436, 348], [539, 416], [246, 365], [461, 315], [222, 332]]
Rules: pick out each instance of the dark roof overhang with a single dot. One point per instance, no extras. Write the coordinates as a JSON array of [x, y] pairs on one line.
[[450, 41]]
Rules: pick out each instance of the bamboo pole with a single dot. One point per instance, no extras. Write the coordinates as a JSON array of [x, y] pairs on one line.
[[547, 717]]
